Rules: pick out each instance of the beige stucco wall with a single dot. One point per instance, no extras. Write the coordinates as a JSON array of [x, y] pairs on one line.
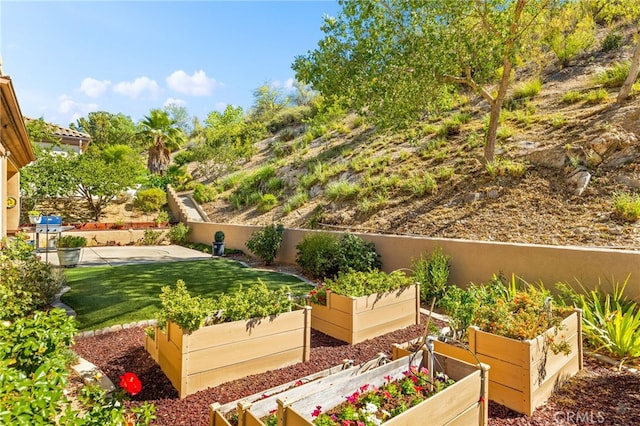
[[471, 261]]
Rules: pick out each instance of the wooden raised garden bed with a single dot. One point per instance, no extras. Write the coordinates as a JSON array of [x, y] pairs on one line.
[[463, 403], [355, 319], [524, 373], [252, 409], [219, 353]]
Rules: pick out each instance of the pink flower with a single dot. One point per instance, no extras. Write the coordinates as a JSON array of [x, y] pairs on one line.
[[317, 411], [353, 398], [388, 378], [387, 395], [364, 387], [299, 383]]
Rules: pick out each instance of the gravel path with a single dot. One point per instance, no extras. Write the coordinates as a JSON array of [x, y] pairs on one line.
[[597, 395]]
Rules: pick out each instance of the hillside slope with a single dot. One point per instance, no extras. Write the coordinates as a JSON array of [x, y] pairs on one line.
[[430, 180]]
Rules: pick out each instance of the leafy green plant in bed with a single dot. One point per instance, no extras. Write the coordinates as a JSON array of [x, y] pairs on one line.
[[194, 312]]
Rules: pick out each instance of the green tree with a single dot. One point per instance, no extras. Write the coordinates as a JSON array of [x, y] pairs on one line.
[[399, 59], [99, 177], [108, 129], [163, 136], [268, 100]]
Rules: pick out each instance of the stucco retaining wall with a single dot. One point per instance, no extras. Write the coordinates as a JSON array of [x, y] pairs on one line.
[[471, 261]]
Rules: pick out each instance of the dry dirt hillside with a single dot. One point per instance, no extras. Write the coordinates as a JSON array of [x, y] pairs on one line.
[[563, 154]]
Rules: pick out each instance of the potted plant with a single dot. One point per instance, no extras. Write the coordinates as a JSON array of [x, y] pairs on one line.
[[34, 216], [218, 243], [361, 305], [69, 248], [201, 342], [531, 345]]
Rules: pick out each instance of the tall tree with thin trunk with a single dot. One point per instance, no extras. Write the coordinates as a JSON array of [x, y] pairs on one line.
[[163, 136], [397, 60]]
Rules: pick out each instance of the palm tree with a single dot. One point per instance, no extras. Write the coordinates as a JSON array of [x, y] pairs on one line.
[[163, 136]]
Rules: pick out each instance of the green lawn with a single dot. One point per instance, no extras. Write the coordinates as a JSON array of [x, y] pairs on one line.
[[106, 295]]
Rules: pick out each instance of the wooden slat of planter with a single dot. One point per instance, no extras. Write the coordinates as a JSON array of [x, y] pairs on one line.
[[332, 329], [443, 406], [169, 358], [216, 417], [340, 303], [371, 331], [151, 346], [258, 398], [174, 334], [509, 350], [366, 303], [249, 419], [553, 381], [553, 364], [238, 331], [513, 398], [237, 352], [379, 315], [323, 313], [221, 375], [569, 331], [470, 417]]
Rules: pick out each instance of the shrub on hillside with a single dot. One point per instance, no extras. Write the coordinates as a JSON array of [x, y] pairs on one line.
[[204, 193], [150, 200]]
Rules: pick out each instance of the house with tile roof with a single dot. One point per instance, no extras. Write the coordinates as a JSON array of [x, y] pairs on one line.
[[64, 139], [15, 152]]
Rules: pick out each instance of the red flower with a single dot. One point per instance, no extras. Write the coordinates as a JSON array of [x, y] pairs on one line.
[[299, 383], [317, 411], [131, 383], [388, 378], [387, 395]]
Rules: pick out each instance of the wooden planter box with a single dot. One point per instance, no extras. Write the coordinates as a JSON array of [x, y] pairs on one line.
[[355, 319], [463, 403], [219, 353], [523, 372], [252, 409]]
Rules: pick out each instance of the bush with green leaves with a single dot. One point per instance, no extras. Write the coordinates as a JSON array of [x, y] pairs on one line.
[[432, 272], [359, 283], [26, 283], [615, 75], [204, 193], [178, 306], [611, 321], [192, 312], [317, 255], [267, 203], [266, 242], [151, 237], [150, 200], [256, 301], [179, 234], [354, 253], [33, 355], [626, 206]]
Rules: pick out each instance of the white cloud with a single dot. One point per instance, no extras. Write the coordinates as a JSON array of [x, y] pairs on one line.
[[197, 84], [289, 83], [139, 86], [94, 88], [74, 109], [174, 101]]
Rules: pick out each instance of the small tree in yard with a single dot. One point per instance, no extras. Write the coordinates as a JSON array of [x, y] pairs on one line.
[[265, 243]]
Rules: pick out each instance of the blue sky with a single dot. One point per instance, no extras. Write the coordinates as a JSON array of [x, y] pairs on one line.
[[68, 58]]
